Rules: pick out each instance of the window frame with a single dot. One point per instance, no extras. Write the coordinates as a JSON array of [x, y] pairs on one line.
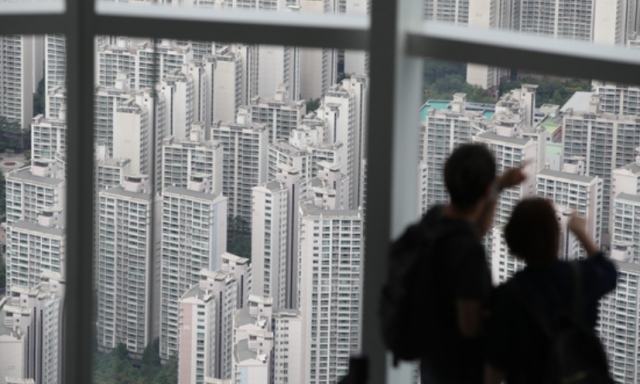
[[400, 41]]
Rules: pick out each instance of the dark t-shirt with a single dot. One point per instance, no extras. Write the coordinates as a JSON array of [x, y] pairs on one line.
[[462, 274], [515, 343]]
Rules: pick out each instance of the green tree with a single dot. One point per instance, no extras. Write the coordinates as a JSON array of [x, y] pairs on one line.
[[38, 99], [11, 135], [238, 236], [550, 90], [313, 105], [445, 87], [437, 69]]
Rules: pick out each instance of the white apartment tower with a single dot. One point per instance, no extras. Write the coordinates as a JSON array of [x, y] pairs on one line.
[[452, 11], [618, 324], [579, 193], [274, 238], [31, 331], [240, 269], [318, 66], [192, 156], [606, 141], [55, 67], [278, 115], [34, 189], [34, 247], [225, 77], [206, 329], [48, 136], [194, 237], [21, 71], [618, 99], [626, 223], [253, 341], [356, 62], [343, 110], [626, 179], [131, 136], [276, 65], [124, 259], [287, 352], [245, 148], [443, 131], [179, 90], [329, 284]]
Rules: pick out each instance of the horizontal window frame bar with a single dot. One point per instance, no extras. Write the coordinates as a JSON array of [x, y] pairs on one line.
[[506, 49], [315, 30], [33, 24]]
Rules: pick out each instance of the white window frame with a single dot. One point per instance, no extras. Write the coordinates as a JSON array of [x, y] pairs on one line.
[[399, 43]]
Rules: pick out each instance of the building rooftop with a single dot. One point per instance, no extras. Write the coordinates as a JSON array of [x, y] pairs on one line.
[[568, 176], [629, 197], [310, 209], [121, 192], [193, 194], [505, 139], [578, 102], [236, 259], [632, 167], [25, 174], [29, 226], [627, 267], [243, 353]]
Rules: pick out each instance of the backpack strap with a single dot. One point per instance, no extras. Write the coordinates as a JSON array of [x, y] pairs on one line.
[[528, 302], [578, 293]]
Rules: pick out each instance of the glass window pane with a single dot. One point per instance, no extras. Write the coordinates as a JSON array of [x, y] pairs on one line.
[[230, 195], [583, 143], [32, 207]]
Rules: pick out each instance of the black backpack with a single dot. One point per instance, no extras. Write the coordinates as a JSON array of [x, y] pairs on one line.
[[410, 297], [576, 355]]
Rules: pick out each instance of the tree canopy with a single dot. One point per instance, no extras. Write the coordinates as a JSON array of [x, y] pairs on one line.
[[443, 78], [116, 367], [550, 90], [11, 135], [239, 236]]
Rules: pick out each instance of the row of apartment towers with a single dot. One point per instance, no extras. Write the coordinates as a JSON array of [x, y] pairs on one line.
[[220, 131]]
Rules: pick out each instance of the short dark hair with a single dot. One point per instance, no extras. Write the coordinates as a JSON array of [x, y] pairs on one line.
[[533, 231], [468, 172]]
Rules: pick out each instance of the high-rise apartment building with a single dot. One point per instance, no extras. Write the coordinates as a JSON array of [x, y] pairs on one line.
[[48, 136], [279, 116], [452, 11], [125, 255], [179, 91], [132, 136], [31, 331], [579, 193], [225, 78], [618, 324], [618, 99], [245, 161], [277, 65], [318, 66], [136, 57], [329, 283], [627, 178], [32, 190], [55, 62], [21, 71], [194, 237], [625, 217], [192, 156], [274, 238], [308, 145], [606, 141], [206, 329], [240, 269], [442, 132], [343, 110], [253, 341], [34, 247], [288, 364]]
